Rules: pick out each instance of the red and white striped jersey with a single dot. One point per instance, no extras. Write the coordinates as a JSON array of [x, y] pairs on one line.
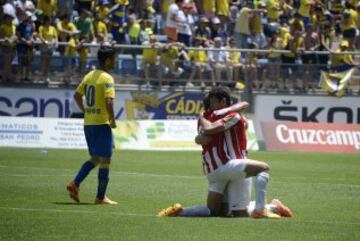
[[227, 145]]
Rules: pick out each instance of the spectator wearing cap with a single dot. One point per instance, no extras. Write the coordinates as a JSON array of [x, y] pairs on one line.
[[218, 30], [49, 38], [49, 7], [25, 34], [8, 34], [339, 61], [23, 6], [84, 24], [9, 9], [172, 20], [203, 31], [348, 25], [185, 24]]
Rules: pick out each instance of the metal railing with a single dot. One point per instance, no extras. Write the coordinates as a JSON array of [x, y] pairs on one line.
[[261, 75]]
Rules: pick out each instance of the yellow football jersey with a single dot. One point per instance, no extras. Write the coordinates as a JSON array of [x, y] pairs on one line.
[[7, 30], [96, 86], [48, 33]]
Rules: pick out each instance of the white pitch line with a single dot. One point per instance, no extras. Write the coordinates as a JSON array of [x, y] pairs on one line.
[[143, 174], [74, 211], [148, 215]]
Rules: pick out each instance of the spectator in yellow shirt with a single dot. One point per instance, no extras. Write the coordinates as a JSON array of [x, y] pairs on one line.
[[48, 7], [65, 29], [83, 53], [8, 34], [200, 64], [274, 66], [100, 30], [235, 59], [273, 10], [49, 38], [150, 57], [70, 57], [348, 25], [304, 11], [341, 62]]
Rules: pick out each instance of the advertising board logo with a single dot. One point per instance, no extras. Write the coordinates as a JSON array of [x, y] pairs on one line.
[[298, 113], [314, 137]]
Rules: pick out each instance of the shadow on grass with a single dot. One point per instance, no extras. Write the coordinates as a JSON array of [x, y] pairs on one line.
[[72, 203]]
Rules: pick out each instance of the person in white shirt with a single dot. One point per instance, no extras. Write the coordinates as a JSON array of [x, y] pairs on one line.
[[219, 60], [185, 24], [172, 20]]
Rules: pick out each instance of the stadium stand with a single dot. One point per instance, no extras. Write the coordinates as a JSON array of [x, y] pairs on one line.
[[284, 44]]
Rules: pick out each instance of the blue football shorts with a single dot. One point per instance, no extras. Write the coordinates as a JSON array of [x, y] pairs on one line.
[[99, 139]]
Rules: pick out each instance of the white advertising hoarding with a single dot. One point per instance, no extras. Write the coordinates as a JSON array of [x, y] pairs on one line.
[[319, 109], [132, 135], [326, 109]]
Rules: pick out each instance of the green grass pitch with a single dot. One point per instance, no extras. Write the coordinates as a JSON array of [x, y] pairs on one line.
[[322, 189]]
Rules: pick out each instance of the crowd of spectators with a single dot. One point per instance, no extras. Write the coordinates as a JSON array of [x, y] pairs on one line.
[[172, 25]]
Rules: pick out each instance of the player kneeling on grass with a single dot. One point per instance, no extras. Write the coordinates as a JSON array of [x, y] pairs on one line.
[[98, 89], [229, 177]]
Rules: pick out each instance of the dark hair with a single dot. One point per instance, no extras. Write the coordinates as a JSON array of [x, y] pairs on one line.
[[46, 19], [104, 53], [206, 102], [220, 93]]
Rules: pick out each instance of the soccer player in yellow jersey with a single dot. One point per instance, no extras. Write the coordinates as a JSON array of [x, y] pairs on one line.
[[98, 89]]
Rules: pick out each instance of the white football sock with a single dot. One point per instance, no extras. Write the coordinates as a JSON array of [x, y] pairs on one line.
[[261, 181]]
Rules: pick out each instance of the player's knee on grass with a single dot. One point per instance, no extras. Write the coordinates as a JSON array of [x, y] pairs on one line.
[[255, 167]]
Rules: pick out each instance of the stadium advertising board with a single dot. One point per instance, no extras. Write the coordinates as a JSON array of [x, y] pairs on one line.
[[311, 137], [132, 135], [325, 109], [42, 132], [129, 105]]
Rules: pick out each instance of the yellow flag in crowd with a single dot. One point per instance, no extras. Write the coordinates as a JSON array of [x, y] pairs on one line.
[[335, 83]]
